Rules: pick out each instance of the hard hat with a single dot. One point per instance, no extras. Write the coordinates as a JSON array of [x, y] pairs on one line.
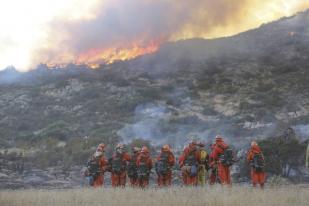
[[101, 147], [192, 142], [98, 154], [219, 138], [166, 147], [119, 146], [201, 144], [145, 149], [136, 149], [253, 143]]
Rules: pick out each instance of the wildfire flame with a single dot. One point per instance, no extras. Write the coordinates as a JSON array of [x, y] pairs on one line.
[[94, 57]]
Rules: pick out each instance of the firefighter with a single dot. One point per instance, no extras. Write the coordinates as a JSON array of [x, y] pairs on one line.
[[223, 159], [213, 177], [257, 162], [203, 165], [144, 166], [188, 162], [96, 167], [132, 167], [307, 157], [165, 162], [118, 165]]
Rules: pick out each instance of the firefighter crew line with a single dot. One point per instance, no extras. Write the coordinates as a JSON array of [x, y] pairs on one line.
[[194, 162]]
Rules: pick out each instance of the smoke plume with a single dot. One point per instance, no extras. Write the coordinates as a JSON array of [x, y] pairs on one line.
[[119, 30], [124, 29]]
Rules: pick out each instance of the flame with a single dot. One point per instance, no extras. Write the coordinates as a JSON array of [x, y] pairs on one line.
[[93, 65], [109, 55], [93, 32]]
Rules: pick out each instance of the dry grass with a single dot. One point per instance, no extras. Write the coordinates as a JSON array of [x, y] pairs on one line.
[[176, 196]]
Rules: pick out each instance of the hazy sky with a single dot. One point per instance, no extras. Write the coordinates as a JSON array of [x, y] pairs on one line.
[[64, 31]]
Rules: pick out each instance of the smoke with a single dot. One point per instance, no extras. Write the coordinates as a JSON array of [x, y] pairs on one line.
[[119, 28], [147, 126], [302, 130], [176, 122]]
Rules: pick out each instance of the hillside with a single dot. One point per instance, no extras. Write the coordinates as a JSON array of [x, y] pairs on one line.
[[250, 82], [251, 85]]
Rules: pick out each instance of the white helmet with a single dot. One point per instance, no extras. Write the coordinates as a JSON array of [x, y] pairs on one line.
[[98, 154]]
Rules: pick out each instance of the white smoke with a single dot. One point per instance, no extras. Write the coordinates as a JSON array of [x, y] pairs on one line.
[[302, 130], [148, 118]]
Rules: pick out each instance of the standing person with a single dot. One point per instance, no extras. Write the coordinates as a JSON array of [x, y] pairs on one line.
[[165, 162], [144, 166], [132, 167], [118, 165], [96, 167], [223, 158], [203, 165], [188, 162], [213, 177], [307, 157], [257, 162]]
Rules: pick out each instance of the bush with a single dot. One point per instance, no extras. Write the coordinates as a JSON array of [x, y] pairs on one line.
[[283, 153], [277, 181]]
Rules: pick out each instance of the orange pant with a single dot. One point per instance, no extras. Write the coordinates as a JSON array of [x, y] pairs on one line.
[[224, 174], [165, 180], [134, 182], [187, 178], [258, 178], [143, 183], [212, 178], [98, 182], [119, 180]]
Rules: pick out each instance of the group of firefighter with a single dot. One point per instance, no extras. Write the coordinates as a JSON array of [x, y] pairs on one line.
[[194, 163]]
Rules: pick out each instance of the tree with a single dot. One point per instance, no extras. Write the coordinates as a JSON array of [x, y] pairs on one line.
[[283, 153]]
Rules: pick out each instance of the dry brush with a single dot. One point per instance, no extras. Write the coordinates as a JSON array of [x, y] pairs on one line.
[[176, 196]]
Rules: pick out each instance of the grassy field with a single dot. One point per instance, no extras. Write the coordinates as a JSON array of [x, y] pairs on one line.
[[176, 196]]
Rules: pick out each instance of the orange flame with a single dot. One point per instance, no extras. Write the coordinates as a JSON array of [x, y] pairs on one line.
[[95, 56]]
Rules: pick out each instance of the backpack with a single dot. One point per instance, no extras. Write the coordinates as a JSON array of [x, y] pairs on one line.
[[118, 165], [193, 171], [132, 168], [162, 166], [258, 162], [90, 180], [191, 159], [204, 156], [227, 158], [142, 170], [204, 159], [93, 167]]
